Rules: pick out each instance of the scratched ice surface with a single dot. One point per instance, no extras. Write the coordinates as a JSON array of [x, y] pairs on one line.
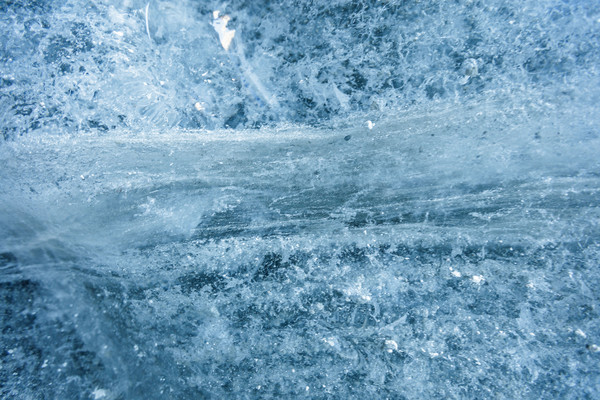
[[299, 199]]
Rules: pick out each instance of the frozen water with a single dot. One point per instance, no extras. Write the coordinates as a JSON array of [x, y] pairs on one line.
[[146, 64], [449, 254], [366, 199]]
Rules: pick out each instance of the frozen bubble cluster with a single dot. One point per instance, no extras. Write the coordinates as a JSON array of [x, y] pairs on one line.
[[299, 199]]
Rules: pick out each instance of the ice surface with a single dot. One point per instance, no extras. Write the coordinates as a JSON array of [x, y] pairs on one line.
[[416, 216], [143, 65]]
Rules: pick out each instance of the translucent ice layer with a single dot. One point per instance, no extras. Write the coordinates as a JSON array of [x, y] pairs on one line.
[[439, 255], [307, 199]]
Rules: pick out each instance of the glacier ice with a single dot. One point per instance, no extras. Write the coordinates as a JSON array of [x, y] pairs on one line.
[[343, 199]]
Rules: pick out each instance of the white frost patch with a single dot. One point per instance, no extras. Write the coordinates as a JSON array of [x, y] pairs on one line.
[[358, 291], [370, 125], [391, 346], [454, 273], [99, 394], [220, 25], [478, 278], [199, 106]]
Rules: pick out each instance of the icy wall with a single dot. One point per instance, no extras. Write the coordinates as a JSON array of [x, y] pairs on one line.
[[329, 200]]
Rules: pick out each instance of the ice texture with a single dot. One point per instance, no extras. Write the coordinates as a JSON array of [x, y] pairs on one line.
[[349, 200], [145, 65]]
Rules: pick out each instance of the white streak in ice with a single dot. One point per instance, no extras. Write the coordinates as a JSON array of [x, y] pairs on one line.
[[147, 24]]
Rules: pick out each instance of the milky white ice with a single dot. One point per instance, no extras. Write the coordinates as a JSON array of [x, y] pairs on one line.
[[220, 24]]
